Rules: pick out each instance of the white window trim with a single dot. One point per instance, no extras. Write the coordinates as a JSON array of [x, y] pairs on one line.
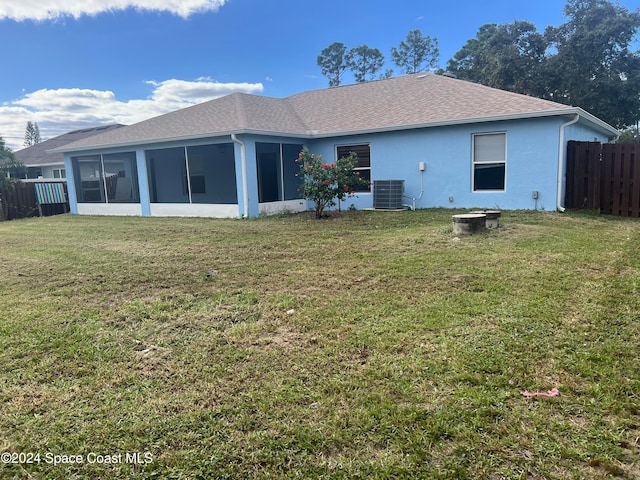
[[474, 163]]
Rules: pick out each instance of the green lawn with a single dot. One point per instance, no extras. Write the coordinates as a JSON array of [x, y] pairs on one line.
[[367, 345]]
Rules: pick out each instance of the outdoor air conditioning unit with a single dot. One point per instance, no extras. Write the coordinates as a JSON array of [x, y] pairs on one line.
[[387, 194]]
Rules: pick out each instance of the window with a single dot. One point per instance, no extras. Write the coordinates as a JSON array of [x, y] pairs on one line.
[[290, 168], [363, 166], [32, 172], [489, 161], [277, 171], [106, 178], [211, 174], [167, 175], [121, 177], [59, 173], [197, 178], [269, 172], [89, 184]]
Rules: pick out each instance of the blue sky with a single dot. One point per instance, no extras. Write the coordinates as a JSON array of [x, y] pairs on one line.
[[69, 64]]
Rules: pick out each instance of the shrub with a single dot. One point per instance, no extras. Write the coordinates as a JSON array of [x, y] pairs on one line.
[[324, 183]]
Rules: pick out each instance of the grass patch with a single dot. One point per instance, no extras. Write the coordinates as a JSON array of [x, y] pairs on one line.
[[367, 345]]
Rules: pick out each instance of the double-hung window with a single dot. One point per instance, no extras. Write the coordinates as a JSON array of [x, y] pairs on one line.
[[489, 161]]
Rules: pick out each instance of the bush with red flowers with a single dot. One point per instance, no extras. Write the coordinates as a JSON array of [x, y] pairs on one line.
[[324, 183]]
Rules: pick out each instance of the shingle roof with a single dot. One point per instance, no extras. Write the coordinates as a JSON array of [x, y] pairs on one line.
[[38, 154], [410, 101], [419, 99]]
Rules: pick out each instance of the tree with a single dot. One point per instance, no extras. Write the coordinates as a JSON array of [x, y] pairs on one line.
[[332, 62], [507, 56], [5, 153], [325, 183], [417, 53], [630, 135], [9, 166], [586, 62], [468, 62], [364, 62], [31, 134], [593, 67]]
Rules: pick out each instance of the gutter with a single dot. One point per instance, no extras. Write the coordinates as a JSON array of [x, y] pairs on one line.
[[561, 161], [245, 183]]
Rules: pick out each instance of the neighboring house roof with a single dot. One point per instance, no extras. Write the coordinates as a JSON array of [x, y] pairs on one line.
[[38, 154], [411, 101]]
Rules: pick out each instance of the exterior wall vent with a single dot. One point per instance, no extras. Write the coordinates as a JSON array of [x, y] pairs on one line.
[[387, 194]]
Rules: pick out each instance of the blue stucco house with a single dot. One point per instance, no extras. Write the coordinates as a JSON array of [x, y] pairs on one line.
[[451, 142]]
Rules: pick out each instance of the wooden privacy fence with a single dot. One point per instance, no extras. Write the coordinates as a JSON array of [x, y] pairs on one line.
[[604, 177], [22, 200]]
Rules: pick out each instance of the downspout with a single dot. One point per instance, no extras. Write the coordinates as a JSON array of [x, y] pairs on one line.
[[561, 161], [245, 183]]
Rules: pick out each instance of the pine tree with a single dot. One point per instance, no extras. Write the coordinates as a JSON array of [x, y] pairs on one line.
[[332, 61], [418, 53], [364, 62], [31, 134]]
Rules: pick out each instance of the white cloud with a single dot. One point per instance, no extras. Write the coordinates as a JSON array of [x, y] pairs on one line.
[[62, 110], [50, 9], [175, 91]]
